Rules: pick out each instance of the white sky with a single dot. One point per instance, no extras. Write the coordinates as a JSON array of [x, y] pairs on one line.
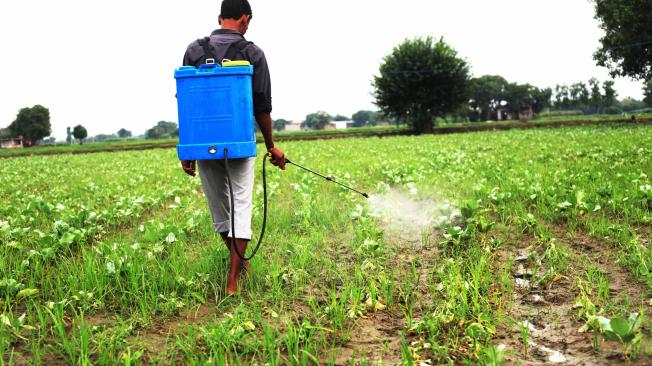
[[110, 64]]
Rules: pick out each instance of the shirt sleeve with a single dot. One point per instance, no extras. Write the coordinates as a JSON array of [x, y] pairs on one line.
[[186, 58], [262, 86], [193, 54]]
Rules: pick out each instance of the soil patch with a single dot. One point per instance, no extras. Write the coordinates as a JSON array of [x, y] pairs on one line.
[[156, 339], [621, 281], [409, 225], [375, 340], [545, 314]]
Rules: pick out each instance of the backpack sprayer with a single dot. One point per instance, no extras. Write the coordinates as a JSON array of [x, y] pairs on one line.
[[216, 122]]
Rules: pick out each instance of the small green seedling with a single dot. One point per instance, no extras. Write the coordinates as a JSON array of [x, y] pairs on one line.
[[624, 331], [525, 337]]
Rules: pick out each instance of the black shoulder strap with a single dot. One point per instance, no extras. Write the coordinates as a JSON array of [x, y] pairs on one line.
[[206, 45], [236, 48]]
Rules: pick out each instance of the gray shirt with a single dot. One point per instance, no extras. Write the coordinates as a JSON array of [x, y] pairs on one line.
[[220, 40]]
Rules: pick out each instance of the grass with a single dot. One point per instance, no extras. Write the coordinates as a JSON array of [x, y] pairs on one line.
[[110, 258]]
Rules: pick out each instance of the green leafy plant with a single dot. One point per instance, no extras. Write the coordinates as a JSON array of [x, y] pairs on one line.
[[627, 332]]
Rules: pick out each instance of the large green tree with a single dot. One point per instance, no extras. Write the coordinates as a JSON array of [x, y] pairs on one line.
[[626, 48], [32, 123], [80, 133], [487, 93], [420, 80], [317, 120]]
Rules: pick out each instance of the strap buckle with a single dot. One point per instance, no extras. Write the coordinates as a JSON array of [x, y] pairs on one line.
[[210, 61]]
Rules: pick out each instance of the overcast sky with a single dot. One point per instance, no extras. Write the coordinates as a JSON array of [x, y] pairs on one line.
[[110, 64]]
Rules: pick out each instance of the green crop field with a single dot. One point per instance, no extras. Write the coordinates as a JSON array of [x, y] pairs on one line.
[[491, 248]]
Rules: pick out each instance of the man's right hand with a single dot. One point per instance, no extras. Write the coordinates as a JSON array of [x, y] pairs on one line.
[[189, 167], [277, 157]]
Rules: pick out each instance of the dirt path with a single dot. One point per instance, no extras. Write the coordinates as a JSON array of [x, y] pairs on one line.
[[407, 224], [156, 340], [545, 315]]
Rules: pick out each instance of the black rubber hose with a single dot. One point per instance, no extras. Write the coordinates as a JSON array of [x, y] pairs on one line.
[[262, 230]]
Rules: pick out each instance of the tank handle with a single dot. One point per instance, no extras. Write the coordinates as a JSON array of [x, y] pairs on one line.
[[208, 66]]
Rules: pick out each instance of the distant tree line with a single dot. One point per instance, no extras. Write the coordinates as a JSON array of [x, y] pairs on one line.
[[320, 119], [492, 97], [424, 81], [591, 97]]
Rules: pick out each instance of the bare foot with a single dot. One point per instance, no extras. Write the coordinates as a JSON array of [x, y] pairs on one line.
[[231, 286], [232, 281]]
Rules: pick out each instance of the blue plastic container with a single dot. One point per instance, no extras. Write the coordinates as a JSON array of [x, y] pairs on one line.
[[215, 112]]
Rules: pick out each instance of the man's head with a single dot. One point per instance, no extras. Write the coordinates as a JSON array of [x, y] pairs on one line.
[[235, 15]]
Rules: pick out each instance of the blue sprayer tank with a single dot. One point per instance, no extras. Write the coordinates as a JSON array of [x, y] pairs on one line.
[[215, 111]]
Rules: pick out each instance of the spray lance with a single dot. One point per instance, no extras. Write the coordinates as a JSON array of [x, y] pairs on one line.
[[330, 179]]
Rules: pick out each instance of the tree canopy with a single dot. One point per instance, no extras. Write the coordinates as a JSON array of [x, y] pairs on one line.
[[104, 137], [317, 120], [340, 118], [522, 97], [32, 123], [630, 104], [124, 133], [279, 124], [80, 133], [420, 80], [163, 129], [362, 118], [626, 48], [487, 93]]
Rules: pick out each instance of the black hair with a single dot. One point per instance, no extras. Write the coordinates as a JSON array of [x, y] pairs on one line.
[[235, 9]]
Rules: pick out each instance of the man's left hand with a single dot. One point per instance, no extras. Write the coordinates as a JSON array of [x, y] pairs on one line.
[[189, 167]]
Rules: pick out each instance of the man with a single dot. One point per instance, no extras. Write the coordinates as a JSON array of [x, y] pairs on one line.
[[234, 20]]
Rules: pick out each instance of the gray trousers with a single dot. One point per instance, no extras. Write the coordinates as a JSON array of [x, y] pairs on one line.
[[216, 189]]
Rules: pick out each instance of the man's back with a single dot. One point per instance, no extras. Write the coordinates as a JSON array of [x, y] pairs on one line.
[[220, 41]]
